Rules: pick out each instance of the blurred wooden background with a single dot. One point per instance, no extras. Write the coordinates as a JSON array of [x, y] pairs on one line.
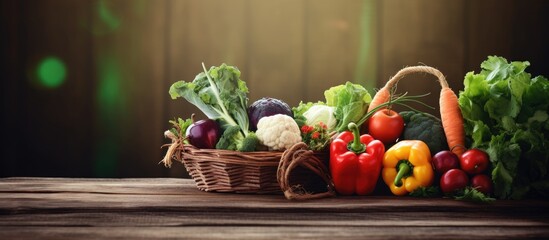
[[108, 116]]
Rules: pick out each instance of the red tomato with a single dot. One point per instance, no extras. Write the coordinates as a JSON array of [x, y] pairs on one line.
[[453, 180], [474, 161], [482, 183], [386, 126]]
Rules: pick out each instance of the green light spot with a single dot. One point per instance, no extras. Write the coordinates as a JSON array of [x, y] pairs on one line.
[[109, 85], [365, 70], [107, 15], [110, 104], [51, 72]]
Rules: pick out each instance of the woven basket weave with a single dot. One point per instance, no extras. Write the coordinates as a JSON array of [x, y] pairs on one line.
[[215, 170], [231, 171]]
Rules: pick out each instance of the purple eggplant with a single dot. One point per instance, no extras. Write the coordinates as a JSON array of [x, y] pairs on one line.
[[203, 134]]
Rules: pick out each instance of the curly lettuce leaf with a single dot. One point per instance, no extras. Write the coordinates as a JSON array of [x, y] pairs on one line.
[[350, 101]]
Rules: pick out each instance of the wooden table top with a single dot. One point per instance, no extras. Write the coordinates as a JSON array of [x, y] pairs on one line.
[[168, 208]]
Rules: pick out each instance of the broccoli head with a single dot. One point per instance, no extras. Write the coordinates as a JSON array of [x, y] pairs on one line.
[[233, 139], [425, 127]]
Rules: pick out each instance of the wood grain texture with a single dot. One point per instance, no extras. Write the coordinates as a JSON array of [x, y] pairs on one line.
[[272, 232], [165, 208]]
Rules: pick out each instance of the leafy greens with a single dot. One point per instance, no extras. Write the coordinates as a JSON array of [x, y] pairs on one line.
[[221, 95], [350, 101], [506, 114]]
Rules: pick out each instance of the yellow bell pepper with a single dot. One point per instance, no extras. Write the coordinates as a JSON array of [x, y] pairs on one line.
[[407, 166]]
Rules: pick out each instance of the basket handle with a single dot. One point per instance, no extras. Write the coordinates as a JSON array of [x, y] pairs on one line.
[[299, 155], [450, 113], [384, 93], [417, 69]]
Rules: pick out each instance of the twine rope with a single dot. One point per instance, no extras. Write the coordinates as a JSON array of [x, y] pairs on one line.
[[417, 69], [300, 155], [167, 160]]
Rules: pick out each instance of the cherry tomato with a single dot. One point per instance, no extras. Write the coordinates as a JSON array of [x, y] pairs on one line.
[[483, 183], [474, 161], [453, 180], [386, 125]]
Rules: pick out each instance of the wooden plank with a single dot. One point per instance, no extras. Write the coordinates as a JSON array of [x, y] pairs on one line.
[[39, 193], [272, 232], [160, 208], [192, 199], [215, 217], [112, 186], [422, 32]]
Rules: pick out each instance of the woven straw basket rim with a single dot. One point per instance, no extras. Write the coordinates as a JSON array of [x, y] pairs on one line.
[[258, 158]]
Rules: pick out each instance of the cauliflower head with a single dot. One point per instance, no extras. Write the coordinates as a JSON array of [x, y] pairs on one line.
[[278, 132]]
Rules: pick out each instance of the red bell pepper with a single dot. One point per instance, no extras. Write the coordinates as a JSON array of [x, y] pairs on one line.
[[355, 162]]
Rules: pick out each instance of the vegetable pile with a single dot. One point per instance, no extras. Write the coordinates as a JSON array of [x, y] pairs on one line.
[[490, 142], [506, 114], [267, 124]]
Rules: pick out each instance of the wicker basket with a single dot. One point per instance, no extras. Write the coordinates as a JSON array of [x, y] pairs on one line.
[[231, 171], [250, 172]]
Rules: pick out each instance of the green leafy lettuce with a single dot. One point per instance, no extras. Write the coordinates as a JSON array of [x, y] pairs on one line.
[[506, 114], [221, 95], [350, 101]]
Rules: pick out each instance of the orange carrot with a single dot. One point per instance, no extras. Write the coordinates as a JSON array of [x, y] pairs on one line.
[[452, 120], [450, 114], [381, 96]]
